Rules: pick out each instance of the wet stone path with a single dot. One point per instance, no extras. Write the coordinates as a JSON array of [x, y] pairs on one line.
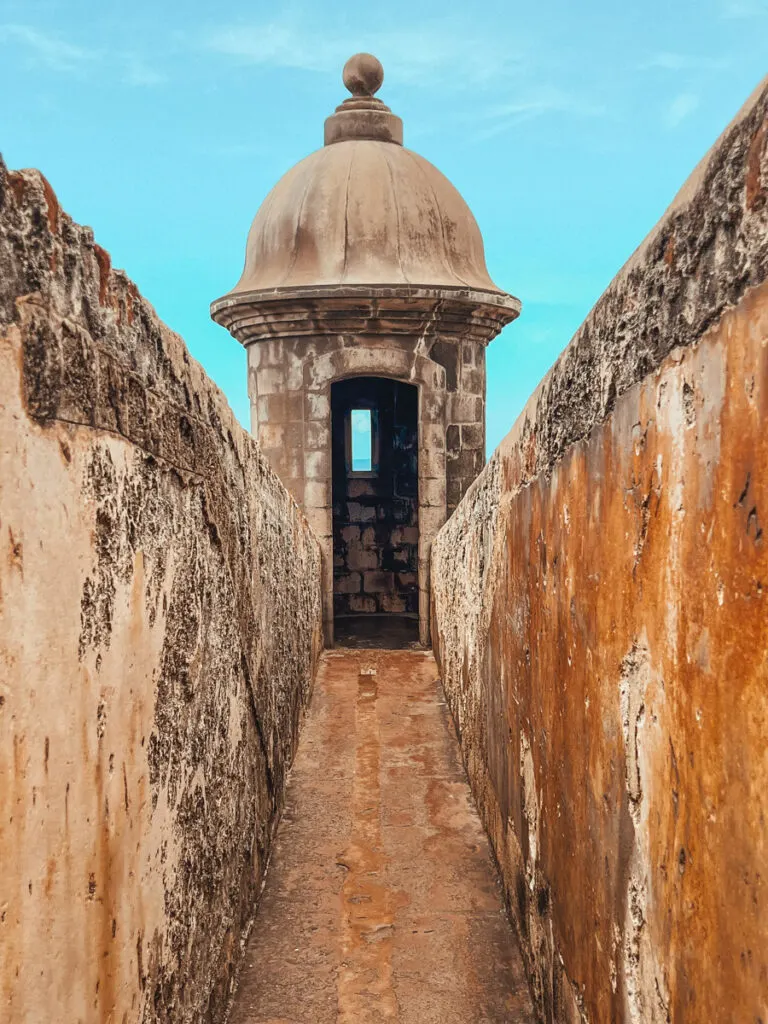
[[381, 901]]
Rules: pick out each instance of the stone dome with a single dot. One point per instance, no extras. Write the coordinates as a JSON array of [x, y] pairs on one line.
[[363, 214]]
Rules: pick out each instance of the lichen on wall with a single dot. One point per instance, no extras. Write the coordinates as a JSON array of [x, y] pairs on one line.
[[160, 622], [599, 614]]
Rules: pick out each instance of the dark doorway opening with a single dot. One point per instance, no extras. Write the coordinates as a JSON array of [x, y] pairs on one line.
[[375, 512]]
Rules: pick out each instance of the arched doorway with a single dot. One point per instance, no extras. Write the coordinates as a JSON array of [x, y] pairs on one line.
[[375, 499]]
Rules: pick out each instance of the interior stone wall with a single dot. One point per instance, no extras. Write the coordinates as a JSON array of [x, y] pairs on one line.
[[376, 514], [600, 619], [160, 620]]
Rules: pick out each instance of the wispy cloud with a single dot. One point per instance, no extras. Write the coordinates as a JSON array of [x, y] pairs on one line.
[[670, 61], [451, 56], [48, 49], [57, 54], [682, 106], [504, 116], [431, 53]]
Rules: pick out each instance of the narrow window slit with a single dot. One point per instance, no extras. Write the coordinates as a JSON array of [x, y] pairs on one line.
[[362, 441]]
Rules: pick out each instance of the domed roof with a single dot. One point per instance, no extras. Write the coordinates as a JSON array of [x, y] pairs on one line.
[[364, 213]]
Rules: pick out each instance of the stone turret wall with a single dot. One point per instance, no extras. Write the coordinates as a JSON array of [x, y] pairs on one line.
[[601, 620], [464, 365], [290, 382], [160, 621]]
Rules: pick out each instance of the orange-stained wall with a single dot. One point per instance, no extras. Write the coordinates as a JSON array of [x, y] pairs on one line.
[[600, 614]]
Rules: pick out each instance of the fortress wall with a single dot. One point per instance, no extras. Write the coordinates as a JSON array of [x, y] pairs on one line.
[[160, 622], [600, 614]]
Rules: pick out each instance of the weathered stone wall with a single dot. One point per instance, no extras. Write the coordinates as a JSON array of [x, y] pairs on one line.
[[600, 617], [160, 619]]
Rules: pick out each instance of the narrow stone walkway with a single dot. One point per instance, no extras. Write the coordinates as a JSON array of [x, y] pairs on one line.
[[381, 901]]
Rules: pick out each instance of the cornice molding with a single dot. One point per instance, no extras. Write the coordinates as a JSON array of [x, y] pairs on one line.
[[364, 310]]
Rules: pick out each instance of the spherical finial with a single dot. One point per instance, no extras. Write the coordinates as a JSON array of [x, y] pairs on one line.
[[363, 74]]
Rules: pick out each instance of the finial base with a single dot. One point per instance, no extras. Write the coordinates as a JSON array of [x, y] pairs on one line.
[[354, 123]]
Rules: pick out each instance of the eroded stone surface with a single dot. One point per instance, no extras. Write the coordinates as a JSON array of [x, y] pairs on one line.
[[599, 614], [381, 902], [159, 627]]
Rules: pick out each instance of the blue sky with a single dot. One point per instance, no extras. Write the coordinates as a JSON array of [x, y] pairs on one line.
[[567, 127]]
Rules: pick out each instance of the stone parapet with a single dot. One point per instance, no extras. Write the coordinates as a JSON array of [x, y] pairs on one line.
[[599, 617], [160, 622]]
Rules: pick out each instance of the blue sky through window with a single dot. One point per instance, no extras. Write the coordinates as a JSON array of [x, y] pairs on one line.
[[362, 441]]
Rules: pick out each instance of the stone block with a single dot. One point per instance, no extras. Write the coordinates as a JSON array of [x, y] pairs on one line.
[[270, 380], [473, 435], [255, 358], [347, 584], [473, 380], [293, 373], [409, 535], [360, 513], [378, 582], [317, 494], [252, 386], [266, 354], [432, 436], [284, 407], [430, 521], [361, 604], [293, 434], [454, 490], [319, 518], [431, 462], [360, 487], [468, 463], [452, 437], [317, 435], [393, 603], [432, 406], [463, 408], [407, 580], [271, 436], [317, 465], [288, 463], [317, 406], [446, 354], [433, 492], [359, 558], [350, 534]]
